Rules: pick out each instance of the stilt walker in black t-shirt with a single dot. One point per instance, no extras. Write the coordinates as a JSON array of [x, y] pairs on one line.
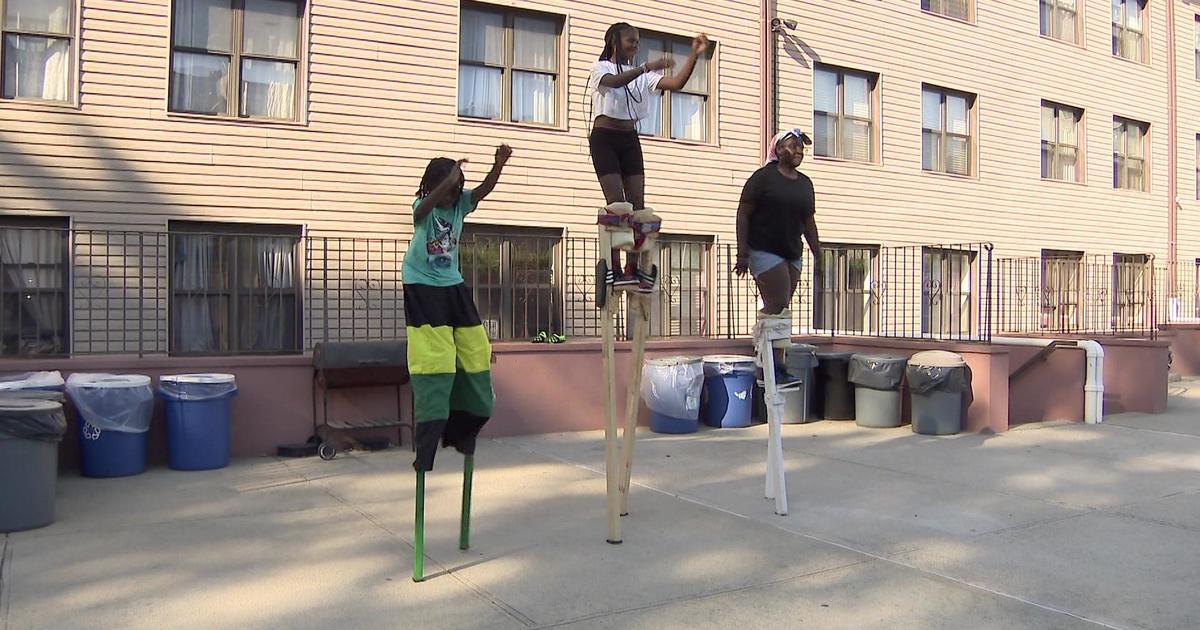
[[776, 210]]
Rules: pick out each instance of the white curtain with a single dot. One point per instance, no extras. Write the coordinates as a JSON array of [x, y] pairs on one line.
[[688, 120], [268, 89], [198, 321], [199, 82], [533, 97], [268, 317], [479, 92], [204, 24], [32, 261], [271, 27], [36, 67]]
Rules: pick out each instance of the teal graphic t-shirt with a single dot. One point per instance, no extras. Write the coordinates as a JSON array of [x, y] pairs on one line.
[[432, 256]]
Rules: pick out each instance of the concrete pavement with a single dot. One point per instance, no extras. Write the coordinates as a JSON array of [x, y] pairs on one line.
[[1049, 526]]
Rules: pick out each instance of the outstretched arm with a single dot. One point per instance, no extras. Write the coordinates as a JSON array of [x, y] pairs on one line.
[[627, 77], [679, 79], [485, 188]]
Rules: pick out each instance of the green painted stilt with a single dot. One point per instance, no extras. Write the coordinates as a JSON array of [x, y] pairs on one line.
[[419, 535], [464, 536]]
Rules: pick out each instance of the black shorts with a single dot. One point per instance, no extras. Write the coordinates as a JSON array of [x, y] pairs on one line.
[[616, 151]]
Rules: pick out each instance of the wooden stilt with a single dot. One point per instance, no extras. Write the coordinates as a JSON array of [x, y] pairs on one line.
[[419, 531], [464, 534], [641, 329]]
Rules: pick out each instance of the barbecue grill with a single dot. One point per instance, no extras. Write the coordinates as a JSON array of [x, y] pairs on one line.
[[357, 364]]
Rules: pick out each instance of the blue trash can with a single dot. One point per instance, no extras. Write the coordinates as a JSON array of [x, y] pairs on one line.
[[671, 389], [114, 418], [728, 391], [197, 414]]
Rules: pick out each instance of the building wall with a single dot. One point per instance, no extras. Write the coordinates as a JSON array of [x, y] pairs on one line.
[[1001, 58], [381, 101]]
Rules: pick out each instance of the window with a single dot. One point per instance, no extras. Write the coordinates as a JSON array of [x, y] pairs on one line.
[[946, 295], [947, 123], [1131, 287], [1129, 151], [508, 65], [234, 288], [35, 55], [843, 292], [682, 114], [236, 57], [844, 114], [1129, 29], [1196, 45], [33, 280], [1060, 20], [1062, 282], [960, 9], [681, 305], [1060, 143], [514, 275]]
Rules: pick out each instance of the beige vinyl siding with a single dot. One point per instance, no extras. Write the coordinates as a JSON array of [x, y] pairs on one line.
[[1188, 117], [1002, 60], [381, 100]]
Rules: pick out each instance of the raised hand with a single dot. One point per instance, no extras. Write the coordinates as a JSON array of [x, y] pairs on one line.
[[503, 153], [659, 65], [700, 44]]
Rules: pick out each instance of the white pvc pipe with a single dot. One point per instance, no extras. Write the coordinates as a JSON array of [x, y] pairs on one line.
[[1093, 384]]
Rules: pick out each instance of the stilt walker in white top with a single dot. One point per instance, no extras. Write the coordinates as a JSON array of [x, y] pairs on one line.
[[777, 210], [622, 92]]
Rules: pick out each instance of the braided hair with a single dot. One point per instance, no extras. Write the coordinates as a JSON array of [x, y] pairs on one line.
[[435, 173], [612, 40]]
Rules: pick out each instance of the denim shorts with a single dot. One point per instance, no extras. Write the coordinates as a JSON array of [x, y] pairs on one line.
[[761, 261]]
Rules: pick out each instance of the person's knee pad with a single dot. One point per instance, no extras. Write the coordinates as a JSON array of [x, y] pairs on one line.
[[615, 219]]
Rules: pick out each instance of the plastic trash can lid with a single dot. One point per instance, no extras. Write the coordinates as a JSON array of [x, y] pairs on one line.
[[802, 347], [22, 406], [112, 381], [835, 355], [879, 358], [728, 358], [937, 358], [670, 361], [197, 379]]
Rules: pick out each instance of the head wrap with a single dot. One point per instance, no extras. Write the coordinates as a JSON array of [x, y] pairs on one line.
[[772, 154]]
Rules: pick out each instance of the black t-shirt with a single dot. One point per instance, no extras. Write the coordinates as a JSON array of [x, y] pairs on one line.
[[781, 206]]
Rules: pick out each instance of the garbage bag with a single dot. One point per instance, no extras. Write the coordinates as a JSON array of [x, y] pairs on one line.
[[671, 386], [923, 379], [196, 387], [37, 420], [877, 371], [722, 365], [111, 402], [31, 380]]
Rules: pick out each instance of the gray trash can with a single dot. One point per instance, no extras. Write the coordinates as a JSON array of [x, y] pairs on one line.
[[30, 431], [876, 379], [800, 360], [937, 380]]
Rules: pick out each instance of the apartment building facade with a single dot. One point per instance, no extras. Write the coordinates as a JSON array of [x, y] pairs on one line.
[[222, 177]]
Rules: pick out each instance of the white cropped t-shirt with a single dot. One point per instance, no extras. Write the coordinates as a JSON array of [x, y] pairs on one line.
[[615, 102]]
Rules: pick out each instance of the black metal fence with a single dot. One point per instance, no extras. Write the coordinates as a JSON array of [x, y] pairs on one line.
[[1077, 295], [146, 292]]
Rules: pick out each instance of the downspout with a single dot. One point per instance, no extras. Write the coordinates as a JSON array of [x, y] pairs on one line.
[[768, 76], [1172, 153], [1093, 383]]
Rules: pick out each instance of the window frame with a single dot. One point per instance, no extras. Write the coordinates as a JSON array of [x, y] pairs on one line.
[[970, 136], [234, 290], [710, 97], [49, 224], [1056, 143], [72, 37], [691, 323], [233, 102], [508, 67], [928, 8], [944, 310], [841, 294], [1080, 21], [506, 285], [1058, 264], [1131, 314], [1144, 159], [1143, 6], [840, 117]]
